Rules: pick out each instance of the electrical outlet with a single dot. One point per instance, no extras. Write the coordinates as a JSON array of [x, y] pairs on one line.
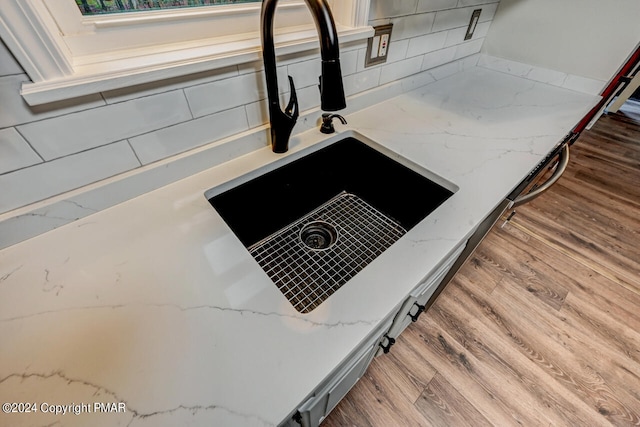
[[473, 23], [378, 45]]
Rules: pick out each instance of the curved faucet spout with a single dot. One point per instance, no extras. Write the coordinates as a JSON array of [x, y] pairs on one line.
[[331, 89]]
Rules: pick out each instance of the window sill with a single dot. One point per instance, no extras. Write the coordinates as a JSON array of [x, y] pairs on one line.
[[95, 75]]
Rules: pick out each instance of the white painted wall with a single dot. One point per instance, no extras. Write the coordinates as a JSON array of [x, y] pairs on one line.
[[589, 38]]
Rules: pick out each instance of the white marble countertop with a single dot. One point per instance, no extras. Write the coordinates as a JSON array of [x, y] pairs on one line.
[[154, 302]]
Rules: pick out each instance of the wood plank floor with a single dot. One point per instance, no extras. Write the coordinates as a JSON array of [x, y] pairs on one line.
[[541, 326]]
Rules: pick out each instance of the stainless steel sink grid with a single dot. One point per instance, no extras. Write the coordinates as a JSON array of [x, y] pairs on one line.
[[306, 272]]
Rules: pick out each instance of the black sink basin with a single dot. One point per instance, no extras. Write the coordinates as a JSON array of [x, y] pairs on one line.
[[266, 204], [315, 222]]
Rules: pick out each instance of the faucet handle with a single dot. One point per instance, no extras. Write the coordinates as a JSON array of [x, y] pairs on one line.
[[327, 122], [292, 107]]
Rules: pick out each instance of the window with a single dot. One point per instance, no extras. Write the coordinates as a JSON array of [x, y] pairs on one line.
[[94, 7], [68, 54]]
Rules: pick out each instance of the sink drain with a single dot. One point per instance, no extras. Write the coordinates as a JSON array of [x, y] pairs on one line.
[[318, 235]]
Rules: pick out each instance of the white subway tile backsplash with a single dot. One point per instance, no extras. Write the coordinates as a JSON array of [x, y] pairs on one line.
[[44, 180], [8, 65], [15, 110], [258, 113], [398, 70], [468, 48], [453, 18], [434, 5], [348, 62], [412, 26], [488, 11], [388, 9], [184, 136], [428, 43], [72, 133], [362, 81], [438, 58], [463, 3], [455, 36], [224, 94], [397, 50], [15, 153], [308, 98], [153, 88], [305, 73], [482, 29]]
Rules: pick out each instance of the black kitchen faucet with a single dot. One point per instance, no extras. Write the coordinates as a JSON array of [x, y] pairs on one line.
[[331, 89]]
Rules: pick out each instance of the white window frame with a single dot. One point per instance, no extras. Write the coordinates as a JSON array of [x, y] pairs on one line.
[[55, 43]]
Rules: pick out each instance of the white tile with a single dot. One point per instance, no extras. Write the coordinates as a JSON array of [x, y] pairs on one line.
[[397, 50], [153, 88], [361, 81], [424, 44], [488, 12], [48, 179], [92, 128], [415, 81], [184, 136], [482, 29], [224, 94], [434, 5], [453, 18], [400, 69], [308, 98], [362, 54], [305, 73], [447, 70], [15, 153], [455, 36], [463, 3], [438, 58], [468, 48], [258, 113], [51, 216], [381, 9], [412, 26], [349, 62], [8, 65], [15, 110]]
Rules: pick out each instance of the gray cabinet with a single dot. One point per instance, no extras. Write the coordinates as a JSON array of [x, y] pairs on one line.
[[416, 301], [327, 396]]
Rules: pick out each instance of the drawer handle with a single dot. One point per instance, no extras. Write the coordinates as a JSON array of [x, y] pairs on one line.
[[390, 342], [414, 317]]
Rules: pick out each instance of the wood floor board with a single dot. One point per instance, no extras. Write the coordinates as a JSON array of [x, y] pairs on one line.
[[463, 371], [603, 255], [441, 404], [558, 355], [617, 301], [559, 405], [541, 326], [603, 210], [575, 357]]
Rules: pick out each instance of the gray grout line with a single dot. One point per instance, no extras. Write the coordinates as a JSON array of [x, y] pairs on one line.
[[134, 152], [29, 144]]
